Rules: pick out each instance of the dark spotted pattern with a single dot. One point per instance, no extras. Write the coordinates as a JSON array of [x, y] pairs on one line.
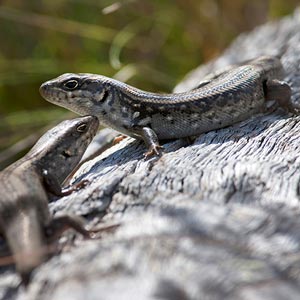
[[229, 97]]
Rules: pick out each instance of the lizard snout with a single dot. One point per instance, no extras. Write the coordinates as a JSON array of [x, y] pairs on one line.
[[44, 89]]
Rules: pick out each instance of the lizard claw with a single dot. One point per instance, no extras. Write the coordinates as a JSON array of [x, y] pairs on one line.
[[153, 150], [74, 188]]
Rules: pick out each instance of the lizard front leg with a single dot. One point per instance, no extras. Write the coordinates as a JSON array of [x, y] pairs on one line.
[[53, 186], [151, 140]]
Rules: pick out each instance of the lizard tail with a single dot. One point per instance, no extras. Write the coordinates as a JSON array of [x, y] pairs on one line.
[[25, 239]]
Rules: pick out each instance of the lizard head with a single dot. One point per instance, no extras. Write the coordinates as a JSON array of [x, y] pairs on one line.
[[60, 149], [81, 93]]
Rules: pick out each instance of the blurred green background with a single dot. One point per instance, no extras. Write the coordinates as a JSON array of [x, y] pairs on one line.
[[150, 44]]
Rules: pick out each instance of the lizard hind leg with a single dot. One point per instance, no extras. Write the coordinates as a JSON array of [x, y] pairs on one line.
[[281, 92], [61, 223]]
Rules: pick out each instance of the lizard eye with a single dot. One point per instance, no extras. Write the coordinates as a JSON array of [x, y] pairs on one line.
[[82, 127], [71, 84]]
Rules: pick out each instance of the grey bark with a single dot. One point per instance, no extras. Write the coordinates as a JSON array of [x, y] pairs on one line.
[[215, 219]]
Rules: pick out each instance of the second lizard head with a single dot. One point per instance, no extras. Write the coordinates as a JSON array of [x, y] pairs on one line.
[[60, 149]]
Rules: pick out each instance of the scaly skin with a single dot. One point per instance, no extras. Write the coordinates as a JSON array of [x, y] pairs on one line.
[[25, 221], [229, 97]]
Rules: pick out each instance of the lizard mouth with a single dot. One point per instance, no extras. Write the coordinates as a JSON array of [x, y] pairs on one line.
[[44, 90], [50, 93]]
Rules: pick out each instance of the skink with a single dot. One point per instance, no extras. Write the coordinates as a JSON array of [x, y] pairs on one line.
[[229, 97]]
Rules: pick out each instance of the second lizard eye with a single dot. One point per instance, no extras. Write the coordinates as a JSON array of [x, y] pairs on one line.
[[71, 84], [82, 127]]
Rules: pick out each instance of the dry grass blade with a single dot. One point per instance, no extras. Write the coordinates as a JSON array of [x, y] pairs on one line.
[[90, 31]]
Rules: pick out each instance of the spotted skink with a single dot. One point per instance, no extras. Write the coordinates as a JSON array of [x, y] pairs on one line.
[[25, 220], [226, 98]]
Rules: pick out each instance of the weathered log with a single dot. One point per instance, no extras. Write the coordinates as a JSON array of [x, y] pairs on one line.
[[215, 219]]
